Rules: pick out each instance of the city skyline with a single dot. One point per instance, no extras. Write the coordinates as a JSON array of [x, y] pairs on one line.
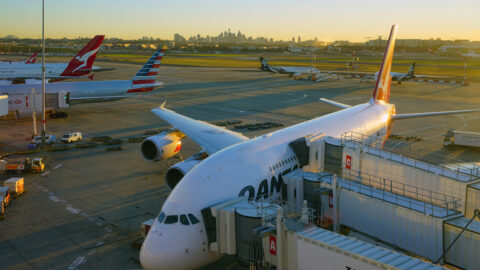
[[280, 20]]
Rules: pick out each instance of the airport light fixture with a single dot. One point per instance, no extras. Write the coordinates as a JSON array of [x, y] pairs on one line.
[[44, 121]]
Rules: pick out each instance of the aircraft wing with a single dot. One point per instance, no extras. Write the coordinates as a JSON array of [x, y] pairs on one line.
[[334, 103], [415, 115], [210, 137]]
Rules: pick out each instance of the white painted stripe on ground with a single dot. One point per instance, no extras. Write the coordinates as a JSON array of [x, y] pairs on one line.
[[58, 166], [45, 173], [100, 243], [53, 198], [72, 210], [78, 261], [91, 252]]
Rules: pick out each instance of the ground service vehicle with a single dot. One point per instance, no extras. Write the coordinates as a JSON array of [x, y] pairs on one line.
[[461, 138], [72, 137], [34, 165], [49, 139]]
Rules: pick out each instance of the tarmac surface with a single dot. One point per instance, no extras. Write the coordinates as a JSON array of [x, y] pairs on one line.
[[86, 210]]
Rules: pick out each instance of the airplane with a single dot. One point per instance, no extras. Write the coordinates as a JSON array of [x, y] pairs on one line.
[[81, 64], [468, 55], [400, 77], [231, 165], [89, 91], [32, 59], [294, 71]]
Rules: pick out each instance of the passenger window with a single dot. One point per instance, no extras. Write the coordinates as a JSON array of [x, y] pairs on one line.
[[193, 219], [161, 217], [184, 220], [171, 219]]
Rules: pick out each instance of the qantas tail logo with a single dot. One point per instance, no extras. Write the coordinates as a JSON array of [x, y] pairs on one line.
[[32, 59], [82, 63]]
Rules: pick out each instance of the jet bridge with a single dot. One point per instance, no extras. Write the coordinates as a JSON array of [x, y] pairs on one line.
[[361, 158], [269, 233], [24, 104]]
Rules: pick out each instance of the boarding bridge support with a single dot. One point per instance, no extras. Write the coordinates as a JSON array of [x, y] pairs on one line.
[[24, 104]]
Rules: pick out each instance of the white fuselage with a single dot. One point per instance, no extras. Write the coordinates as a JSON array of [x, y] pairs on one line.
[[78, 90], [249, 168], [10, 71]]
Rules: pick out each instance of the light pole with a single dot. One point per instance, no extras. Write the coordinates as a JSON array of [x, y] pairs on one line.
[[44, 121]]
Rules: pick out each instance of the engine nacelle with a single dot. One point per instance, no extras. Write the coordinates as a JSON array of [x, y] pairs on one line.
[[175, 173], [161, 146]]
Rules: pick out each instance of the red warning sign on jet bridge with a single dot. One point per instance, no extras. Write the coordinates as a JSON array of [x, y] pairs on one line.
[[273, 245], [348, 162]]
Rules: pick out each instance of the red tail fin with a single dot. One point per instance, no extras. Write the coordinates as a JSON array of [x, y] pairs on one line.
[[32, 59], [82, 63], [384, 80]]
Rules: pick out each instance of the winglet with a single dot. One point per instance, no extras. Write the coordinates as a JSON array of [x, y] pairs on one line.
[[162, 106], [384, 80]]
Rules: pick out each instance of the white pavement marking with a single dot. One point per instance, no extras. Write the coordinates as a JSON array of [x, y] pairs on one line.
[[78, 261], [45, 173], [91, 252], [99, 243], [72, 210], [53, 198], [58, 166]]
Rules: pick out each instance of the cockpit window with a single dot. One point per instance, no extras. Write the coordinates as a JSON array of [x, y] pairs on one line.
[[193, 219], [184, 220], [171, 219], [161, 217]]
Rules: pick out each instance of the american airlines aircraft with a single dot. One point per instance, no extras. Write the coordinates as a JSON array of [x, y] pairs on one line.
[[143, 81], [81, 64], [232, 165]]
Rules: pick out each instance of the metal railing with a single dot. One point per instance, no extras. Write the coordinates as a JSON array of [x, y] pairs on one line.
[[414, 198], [371, 145]]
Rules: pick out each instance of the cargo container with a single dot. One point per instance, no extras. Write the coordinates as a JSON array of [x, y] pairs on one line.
[[15, 186]]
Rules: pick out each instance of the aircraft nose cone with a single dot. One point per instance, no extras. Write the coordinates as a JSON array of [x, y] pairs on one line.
[[155, 256], [171, 248]]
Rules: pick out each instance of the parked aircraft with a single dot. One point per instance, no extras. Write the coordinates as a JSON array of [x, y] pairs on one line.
[[80, 65], [400, 77], [232, 165], [143, 81]]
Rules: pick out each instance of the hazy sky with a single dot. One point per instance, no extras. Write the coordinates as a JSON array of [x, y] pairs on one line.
[[328, 20]]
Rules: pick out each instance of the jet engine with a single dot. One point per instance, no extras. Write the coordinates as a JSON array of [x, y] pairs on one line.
[[178, 171], [161, 146]]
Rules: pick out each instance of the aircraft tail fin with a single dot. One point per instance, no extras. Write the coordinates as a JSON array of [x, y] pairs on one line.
[[82, 63], [145, 79], [32, 59], [384, 80], [263, 63], [411, 70]]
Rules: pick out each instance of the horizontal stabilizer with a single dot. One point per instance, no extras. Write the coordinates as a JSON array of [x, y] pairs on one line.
[[334, 103], [415, 115]]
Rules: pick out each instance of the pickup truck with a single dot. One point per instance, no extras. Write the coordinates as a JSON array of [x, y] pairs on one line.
[[72, 137]]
